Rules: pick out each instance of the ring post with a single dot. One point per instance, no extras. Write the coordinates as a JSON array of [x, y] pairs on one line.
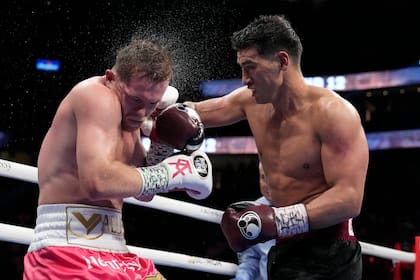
[[417, 261]]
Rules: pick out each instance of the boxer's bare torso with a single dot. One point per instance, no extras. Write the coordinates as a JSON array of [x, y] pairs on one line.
[[306, 143], [58, 164]]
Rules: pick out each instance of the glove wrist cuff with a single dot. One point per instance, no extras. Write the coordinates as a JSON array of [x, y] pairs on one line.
[[291, 220], [155, 180]]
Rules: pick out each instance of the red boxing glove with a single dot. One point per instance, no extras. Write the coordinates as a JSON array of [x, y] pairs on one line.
[[247, 223], [180, 127]]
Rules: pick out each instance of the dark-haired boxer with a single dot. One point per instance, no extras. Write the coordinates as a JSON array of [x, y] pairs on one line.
[[314, 152], [92, 158]]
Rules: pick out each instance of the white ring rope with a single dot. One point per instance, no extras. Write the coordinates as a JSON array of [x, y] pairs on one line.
[[18, 171], [180, 207], [23, 235], [29, 173]]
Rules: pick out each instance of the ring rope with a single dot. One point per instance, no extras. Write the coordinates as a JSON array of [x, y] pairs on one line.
[[23, 235], [29, 173], [180, 207]]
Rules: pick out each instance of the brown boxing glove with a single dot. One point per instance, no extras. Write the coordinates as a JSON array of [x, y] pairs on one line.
[[246, 223], [180, 127]]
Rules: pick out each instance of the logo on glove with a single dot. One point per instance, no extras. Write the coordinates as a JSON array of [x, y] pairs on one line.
[[201, 166], [249, 225], [195, 142]]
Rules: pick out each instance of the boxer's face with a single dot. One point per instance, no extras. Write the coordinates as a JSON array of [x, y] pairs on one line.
[[260, 74], [139, 98]]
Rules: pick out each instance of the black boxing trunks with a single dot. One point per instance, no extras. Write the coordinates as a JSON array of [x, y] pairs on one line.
[[327, 254], [74, 241]]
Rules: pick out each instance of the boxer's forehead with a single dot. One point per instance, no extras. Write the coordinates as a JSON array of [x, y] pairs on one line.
[[146, 88], [247, 56]]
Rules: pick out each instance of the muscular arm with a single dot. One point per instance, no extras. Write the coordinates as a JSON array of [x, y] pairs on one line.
[[102, 169], [222, 111], [345, 156]]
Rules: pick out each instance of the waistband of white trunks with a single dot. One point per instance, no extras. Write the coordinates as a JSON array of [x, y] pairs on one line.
[[91, 227]]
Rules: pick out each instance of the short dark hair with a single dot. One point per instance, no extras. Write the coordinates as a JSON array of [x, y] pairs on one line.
[[268, 34], [146, 57]]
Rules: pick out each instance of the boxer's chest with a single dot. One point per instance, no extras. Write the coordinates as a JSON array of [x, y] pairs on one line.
[[292, 145], [128, 147]]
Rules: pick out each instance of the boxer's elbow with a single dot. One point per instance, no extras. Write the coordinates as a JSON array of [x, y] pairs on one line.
[[353, 211], [94, 186], [354, 204]]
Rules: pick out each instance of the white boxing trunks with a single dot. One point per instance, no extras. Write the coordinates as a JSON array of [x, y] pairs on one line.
[[75, 241]]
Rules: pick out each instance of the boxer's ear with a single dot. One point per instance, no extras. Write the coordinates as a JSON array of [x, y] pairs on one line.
[[109, 75]]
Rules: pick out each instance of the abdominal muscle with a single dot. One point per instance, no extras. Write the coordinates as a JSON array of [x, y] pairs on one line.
[[293, 175], [291, 159], [289, 191]]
